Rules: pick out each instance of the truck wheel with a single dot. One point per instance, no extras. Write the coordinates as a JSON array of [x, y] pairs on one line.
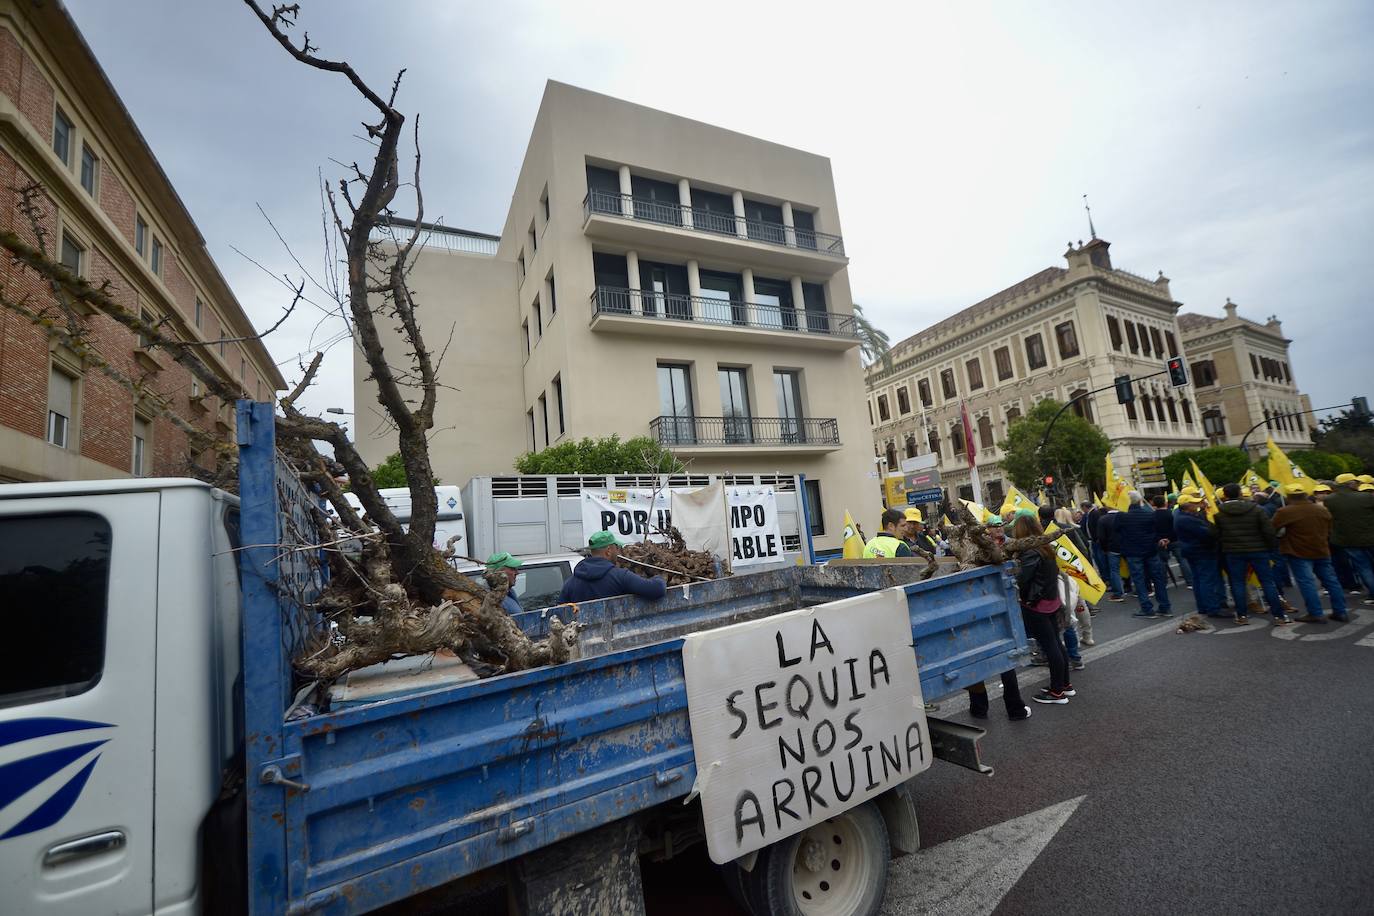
[[836, 868]]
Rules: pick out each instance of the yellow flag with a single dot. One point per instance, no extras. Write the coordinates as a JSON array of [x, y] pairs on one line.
[[1282, 469], [1188, 480], [945, 522], [1209, 492], [1072, 563], [1097, 501], [853, 545], [1173, 486], [1253, 480], [1115, 497], [1015, 500], [979, 512]]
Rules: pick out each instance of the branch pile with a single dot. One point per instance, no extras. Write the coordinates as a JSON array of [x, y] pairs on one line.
[[973, 545], [674, 560]]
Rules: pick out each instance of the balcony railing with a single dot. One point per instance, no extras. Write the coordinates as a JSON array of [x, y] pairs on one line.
[[686, 431], [611, 300], [627, 206]]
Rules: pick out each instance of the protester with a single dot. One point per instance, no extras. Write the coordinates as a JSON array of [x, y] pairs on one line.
[[1164, 532], [1105, 535], [1063, 520], [1197, 542], [1136, 539], [1352, 528], [888, 542], [509, 567], [1037, 580], [598, 577], [1270, 500], [1247, 537], [1017, 710], [1304, 529], [914, 533]]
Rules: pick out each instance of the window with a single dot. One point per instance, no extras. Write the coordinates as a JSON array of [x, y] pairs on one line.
[[985, 432], [525, 326], [88, 162], [883, 413], [947, 385], [933, 440], [1173, 412], [558, 403], [1013, 414], [544, 204], [891, 455], [544, 415], [1131, 339], [787, 386], [142, 428], [73, 255], [553, 297], [870, 413], [520, 268], [956, 438], [62, 137], [221, 346], [534, 442], [538, 319], [61, 407], [1145, 405], [1130, 407], [923, 389], [1144, 338], [1287, 375], [534, 240], [1173, 343], [141, 236], [903, 400], [734, 404], [1002, 356], [1067, 339], [975, 374], [54, 573], [199, 309], [157, 257], [1187, 411], [1035, 352], [675, 403], [243, 368], [1114, 331], [815, 516], [1158, 341], [1159, 408], [195, 389], [1254, 365], [1204, 373], [910, 446], [1081, 405]]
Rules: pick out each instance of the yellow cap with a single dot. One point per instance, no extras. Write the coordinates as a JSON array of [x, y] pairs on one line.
[[913, 514], [1322, 488], [1190, 491], [1245, 491], [1367, 486], [1345, 478], [1365, 478], [1188, 499], [1292, 489]]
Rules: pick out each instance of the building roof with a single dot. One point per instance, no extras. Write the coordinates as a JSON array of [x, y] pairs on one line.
[[1192, 321], [1048, 275]]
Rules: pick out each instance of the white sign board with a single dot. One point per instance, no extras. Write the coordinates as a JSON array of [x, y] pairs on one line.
[[919, 462], [634, 515], [802, 715], [754, 534]]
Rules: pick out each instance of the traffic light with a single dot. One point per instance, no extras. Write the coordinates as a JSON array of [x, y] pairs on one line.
[[1049, 480], [1178, 372], [1125, 394]]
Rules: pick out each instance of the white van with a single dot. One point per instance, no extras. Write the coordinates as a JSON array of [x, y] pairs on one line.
[[450, 520]]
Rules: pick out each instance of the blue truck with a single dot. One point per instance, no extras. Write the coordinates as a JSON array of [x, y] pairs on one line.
[[159, 754]]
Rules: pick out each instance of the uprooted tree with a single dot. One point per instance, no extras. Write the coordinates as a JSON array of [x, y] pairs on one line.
[[397, 594]]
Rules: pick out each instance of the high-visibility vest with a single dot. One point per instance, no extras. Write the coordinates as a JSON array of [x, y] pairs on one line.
[[884, 545]]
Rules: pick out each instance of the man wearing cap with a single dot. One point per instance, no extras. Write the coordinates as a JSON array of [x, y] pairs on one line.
[[598, 577], [914, 532], [509, 566], [888, 542], [1197, 544], [1352, 527], [1247, 536], [1304, 529]]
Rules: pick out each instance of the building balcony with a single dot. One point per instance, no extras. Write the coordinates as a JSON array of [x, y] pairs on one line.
[[633, 311], [732, 435], [632, 221]]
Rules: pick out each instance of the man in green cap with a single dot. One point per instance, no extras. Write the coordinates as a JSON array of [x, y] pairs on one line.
[[510, 566], [598, 577]]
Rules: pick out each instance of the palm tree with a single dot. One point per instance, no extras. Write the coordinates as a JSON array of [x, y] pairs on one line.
[[873, 342]]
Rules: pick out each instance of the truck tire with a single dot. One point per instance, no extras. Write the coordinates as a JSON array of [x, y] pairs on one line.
[[836, 868]]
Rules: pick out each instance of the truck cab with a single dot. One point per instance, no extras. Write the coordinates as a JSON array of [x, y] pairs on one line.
[[118, 693]]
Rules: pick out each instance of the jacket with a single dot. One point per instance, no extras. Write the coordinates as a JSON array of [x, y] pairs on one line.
[[1352, 516], [1164, 525], [1090, 521], [1036, 578], [886, 545], [1075, 535], [1196, 536], [1135, 532], [1106, 531], [598, 577], [922, 541], [1243, 527], [1305, 530]]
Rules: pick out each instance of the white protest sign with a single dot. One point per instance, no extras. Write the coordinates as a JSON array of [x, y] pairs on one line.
[[802, 715], [633, 515], [754, 534]]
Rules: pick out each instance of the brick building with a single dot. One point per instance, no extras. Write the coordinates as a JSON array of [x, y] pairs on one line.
[[110, 213]]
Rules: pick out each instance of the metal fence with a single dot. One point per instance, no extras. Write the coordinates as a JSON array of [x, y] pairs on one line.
[[670, 430], [611, 300]]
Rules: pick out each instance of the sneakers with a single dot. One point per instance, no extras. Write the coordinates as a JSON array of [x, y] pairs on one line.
[[1076, 664], [1069, 691], [1369, 601], [1281, 621], [1242, 620], [1049, 696], [1164, 613], [1309, 618], [1021, 718], [1116, 597], [1145, 615], [1283, 602], [1089, 642], [1343, 618]]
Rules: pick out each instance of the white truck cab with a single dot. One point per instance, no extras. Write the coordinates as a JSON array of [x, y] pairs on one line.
[[121, 661]]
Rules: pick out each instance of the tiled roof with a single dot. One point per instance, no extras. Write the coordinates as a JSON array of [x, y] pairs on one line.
[[1191, 321], [1048, 275]]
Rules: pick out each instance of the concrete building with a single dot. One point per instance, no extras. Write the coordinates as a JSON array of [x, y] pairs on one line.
[[655, 276], [1061, 331], [110, 214], [1241, 371]]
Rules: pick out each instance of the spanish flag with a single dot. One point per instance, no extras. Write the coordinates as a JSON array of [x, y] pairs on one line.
[[853, 545]]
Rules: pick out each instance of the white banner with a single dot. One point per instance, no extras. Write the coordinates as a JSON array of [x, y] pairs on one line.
[[754, 534], [633, 515], [802, 715], [701, 516]]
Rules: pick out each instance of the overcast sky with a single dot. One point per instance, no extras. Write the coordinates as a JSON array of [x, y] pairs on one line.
[[1230, 145]]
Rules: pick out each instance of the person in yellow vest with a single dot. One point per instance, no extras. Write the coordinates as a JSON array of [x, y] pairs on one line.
[[888, 542]]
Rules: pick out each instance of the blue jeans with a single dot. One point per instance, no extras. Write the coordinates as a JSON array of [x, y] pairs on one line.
[[1306, 572], [1113, 574], [1236, 572], [1071, 643], [1145, 570], [1206, 582], [1280, 566], [1360, 565], [1184, 565]]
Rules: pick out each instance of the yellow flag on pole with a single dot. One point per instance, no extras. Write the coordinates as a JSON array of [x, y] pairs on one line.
[[1282, 469], [1015, 500], [1073, 564], [1253, 480], [1097, 500], [853, 545], [1208, 491], [1115, 497], [979, 511]]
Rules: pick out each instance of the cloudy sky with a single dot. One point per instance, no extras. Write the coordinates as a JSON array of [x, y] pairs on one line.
[[1228, 144]]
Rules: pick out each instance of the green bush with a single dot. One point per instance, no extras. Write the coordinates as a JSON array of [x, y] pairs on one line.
[[1221, 463], [1317, 464], [392, 473], [607, 455]]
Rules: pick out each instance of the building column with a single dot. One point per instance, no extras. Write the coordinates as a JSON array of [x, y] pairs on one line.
[[684, 197], [798, 297], [789, 232], [747, 279], [741, 228], [627, 187], [694, 287], [632, 273]]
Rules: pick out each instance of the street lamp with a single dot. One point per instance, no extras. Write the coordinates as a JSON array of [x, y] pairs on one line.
[[338, 410]]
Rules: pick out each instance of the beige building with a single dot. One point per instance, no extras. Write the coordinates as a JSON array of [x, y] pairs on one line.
[[109, 213], [1241, 371], [1062, 331], [655, 276]]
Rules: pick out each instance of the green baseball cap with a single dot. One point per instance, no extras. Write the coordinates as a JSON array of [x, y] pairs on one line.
[[993, 520], [603, 539], [503, 560]]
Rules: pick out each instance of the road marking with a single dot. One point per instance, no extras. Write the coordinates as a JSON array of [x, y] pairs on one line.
[[1367, 641], [1358, 621], [969, 876]]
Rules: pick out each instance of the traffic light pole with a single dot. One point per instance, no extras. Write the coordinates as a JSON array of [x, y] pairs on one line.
[[1087, 394], [1297, 413]]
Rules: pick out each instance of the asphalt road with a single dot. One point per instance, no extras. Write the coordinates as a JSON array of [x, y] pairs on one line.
[[1229, 771]]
